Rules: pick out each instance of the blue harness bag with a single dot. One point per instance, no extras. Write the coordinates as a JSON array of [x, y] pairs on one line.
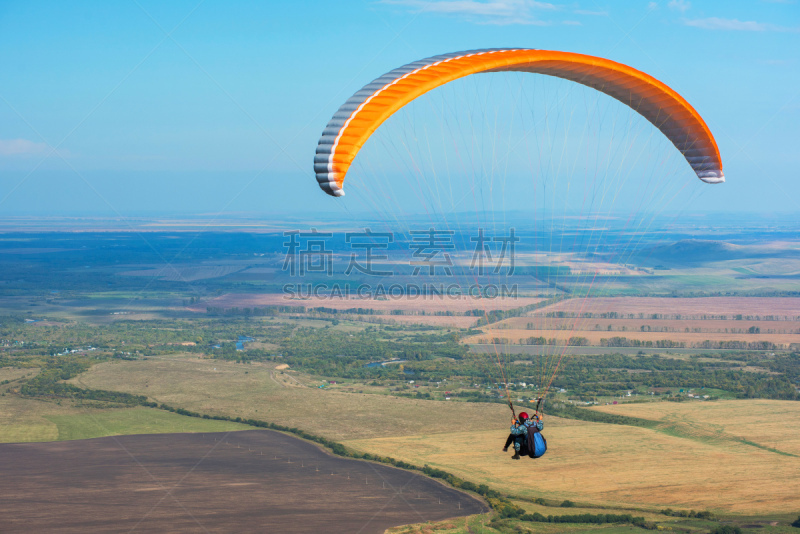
[[537, 445]]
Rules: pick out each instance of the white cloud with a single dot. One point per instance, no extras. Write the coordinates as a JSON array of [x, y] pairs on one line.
[[715, 23], [652, 5], [21, 147], [679, 5], [483, 11], [572, 23]]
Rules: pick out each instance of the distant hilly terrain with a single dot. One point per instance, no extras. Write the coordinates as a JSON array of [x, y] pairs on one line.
[[697, 251]]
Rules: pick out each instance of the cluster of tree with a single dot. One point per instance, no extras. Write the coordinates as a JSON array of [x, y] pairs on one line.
[[737, 345], [398, 311], [573, 341], [609, 374], [329, 352], [618, 341], [495, 316], [705, 514], [592, 376], [508, 510]]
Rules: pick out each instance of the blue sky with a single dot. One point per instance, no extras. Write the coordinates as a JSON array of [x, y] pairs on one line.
[[120, 108]]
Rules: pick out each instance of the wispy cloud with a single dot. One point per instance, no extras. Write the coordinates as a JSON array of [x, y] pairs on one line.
[[715, 23], [679, 5], [21, 147], [483, 11]]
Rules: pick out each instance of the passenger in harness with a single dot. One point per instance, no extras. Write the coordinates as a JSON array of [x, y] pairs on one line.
[[535, 423]]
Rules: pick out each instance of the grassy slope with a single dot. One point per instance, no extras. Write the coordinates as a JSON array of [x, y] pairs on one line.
[[615, 465], [256, 391], [763, 422]]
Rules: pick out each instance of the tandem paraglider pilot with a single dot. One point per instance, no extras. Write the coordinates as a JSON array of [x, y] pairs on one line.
[[526, 436]]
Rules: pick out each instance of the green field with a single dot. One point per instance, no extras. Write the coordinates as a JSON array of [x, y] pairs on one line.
[[28, 420], [134, 421]]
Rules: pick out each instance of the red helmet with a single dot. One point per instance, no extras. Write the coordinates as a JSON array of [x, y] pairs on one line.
[[523, 415]]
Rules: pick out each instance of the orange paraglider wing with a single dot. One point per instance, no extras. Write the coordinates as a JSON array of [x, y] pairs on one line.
[[366, 110]]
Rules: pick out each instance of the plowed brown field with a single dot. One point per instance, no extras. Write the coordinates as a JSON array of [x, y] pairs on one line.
[[251, 481]]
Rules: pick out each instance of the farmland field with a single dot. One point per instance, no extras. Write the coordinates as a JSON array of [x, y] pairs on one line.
[[594, 336], [228, 481], [618, 465], [681, 320], [731, 327], [589, 462], [687, 307]]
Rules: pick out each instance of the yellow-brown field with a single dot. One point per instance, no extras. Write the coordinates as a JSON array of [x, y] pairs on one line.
[[594, 337], [614, 465], [686, 307], [769, 423], [635, 321], [688, 463], [666, 326], [14, 373]]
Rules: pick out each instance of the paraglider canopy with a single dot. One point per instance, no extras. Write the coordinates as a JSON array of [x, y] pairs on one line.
[[368, 108]]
